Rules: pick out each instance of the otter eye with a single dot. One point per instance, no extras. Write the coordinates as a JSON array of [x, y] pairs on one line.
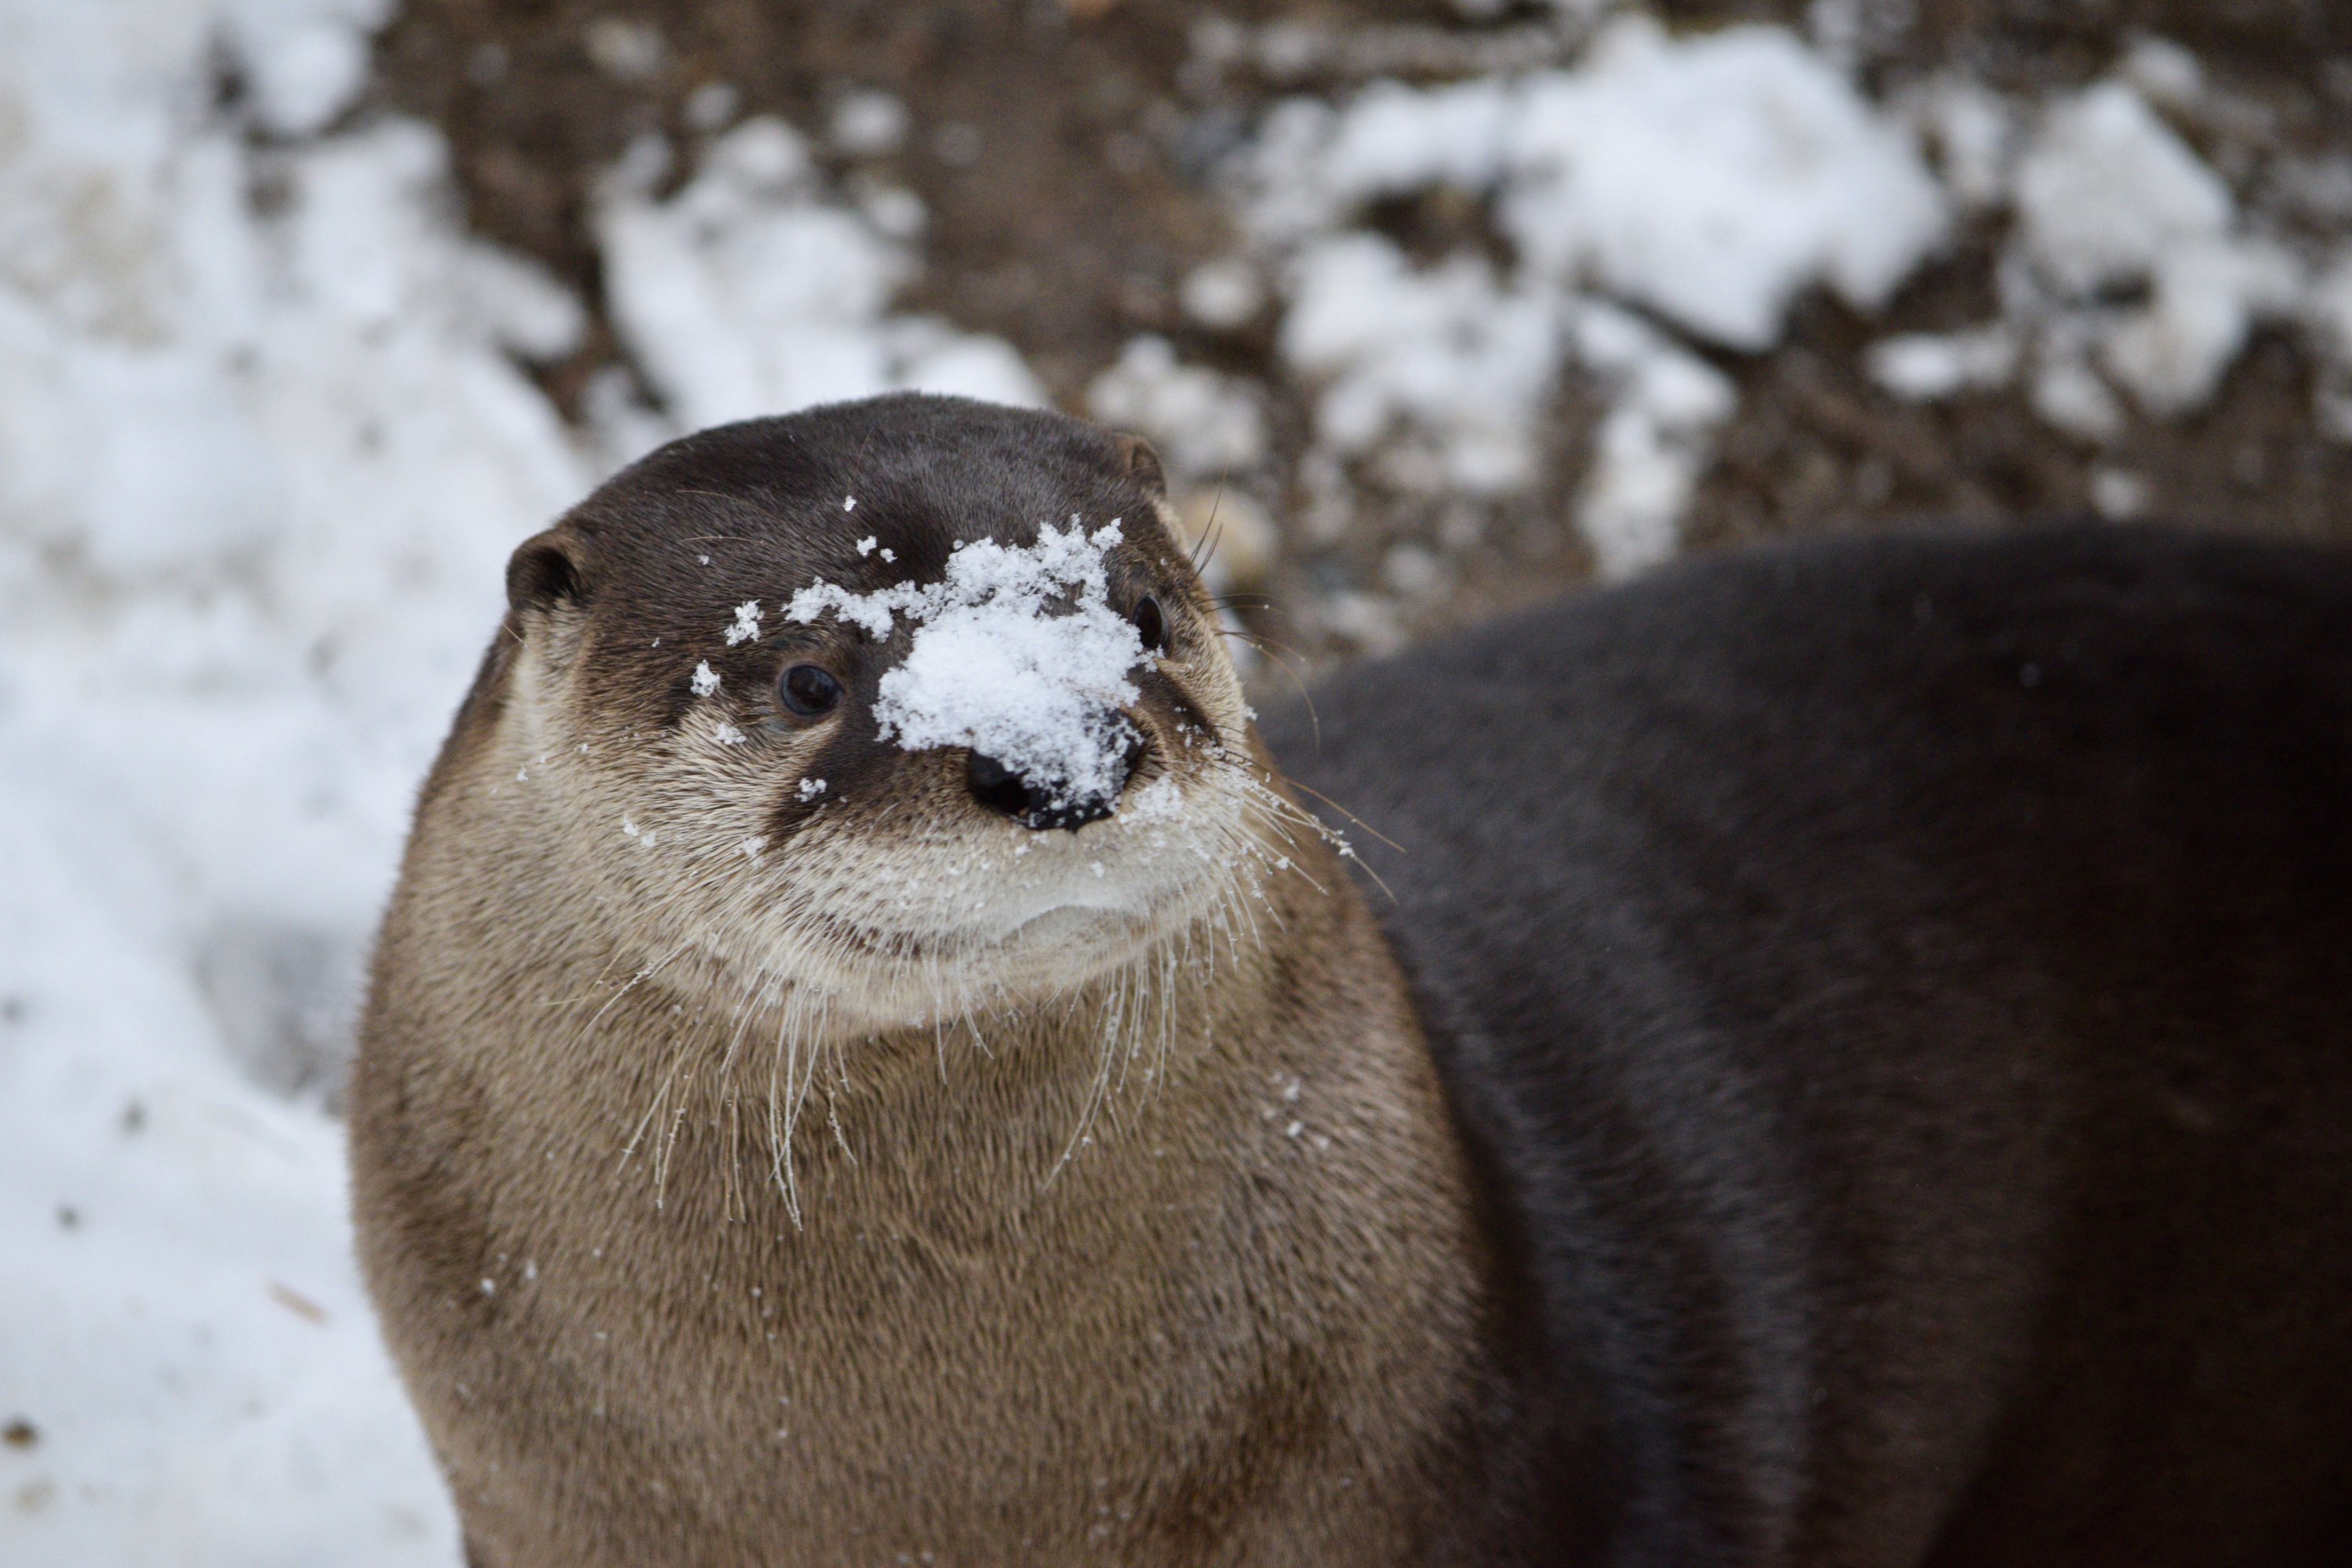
[[809, 689], [1150, 624]]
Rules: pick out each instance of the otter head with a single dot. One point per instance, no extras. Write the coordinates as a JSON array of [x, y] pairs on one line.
[[881, 713]]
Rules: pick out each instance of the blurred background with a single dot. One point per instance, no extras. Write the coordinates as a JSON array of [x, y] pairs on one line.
[[310, 308]]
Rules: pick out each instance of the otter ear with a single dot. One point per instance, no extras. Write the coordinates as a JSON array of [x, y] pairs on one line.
[[547, 569], [1142, 464]]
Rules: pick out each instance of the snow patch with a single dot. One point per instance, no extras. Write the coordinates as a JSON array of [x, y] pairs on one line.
[[2109, 195], [1923, 367], [2107, 189], [1222, 295], [869, 124], [1157, 802], [1708, 181], [1666, 404], [304, 60], [261, 464], [1206, 425], [2110, 200], [754, 289], [1712, 180], [1449, 353], [260, 473]]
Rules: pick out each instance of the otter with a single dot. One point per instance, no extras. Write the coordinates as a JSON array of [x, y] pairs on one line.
[[1831, 1055]]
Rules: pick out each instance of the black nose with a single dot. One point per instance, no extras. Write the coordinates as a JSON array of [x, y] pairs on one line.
[[1042, 803]]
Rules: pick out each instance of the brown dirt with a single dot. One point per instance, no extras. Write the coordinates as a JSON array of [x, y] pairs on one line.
[[1063, 149]]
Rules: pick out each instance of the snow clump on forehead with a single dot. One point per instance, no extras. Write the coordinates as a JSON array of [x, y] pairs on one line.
[[1017, 654]]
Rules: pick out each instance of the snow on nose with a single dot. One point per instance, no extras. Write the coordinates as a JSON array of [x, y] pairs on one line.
[[1017, 655]]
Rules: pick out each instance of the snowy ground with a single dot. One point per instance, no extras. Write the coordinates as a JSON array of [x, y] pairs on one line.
[[1664, 202], [267, 434], [264, 446]]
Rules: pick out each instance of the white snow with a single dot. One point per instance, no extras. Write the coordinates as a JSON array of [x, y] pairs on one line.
[[2205, 301], [745, 626], [1708, 181], [261, 464], [1666, 405], [705, 680], [258, 475], [713, 105], [2108, 200], [1225, 294], [2107, 189], [1715, 178], [1448, 354], [1926, 367], [624, 49], [303, 60], [869, 124], [2118, 495], [754, 289], [2168, 73], [1205, 424], [1974, 132], [1016, 652], [2109, 195], [2066, 389]]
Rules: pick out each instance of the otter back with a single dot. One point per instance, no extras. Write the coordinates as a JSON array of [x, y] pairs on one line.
[[1899, 995]]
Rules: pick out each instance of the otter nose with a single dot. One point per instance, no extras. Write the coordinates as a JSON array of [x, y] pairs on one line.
[[1042, 803]]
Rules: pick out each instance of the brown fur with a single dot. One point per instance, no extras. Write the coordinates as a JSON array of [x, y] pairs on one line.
[[1148, 1244]]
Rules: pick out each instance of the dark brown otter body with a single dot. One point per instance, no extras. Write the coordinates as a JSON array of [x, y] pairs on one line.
[[1902, 991], [1869, 1083]]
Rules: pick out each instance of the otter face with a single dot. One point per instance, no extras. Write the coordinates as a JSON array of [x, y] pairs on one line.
[[886, 712]]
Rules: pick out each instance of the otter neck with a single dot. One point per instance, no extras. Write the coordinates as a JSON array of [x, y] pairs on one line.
[[1052, 1276], [1282, 1015]]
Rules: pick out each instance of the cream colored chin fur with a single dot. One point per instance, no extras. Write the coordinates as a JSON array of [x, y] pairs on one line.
[[1150, 1244]]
